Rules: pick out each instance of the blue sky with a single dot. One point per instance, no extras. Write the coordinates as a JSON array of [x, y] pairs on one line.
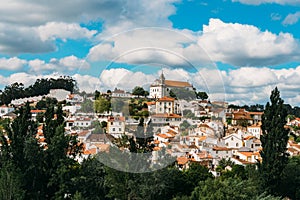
[[236, 50]]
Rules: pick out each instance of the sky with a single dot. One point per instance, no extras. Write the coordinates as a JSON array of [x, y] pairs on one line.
[[235, 50]]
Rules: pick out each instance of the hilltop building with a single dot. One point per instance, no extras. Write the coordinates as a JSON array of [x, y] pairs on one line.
[[161, 87]]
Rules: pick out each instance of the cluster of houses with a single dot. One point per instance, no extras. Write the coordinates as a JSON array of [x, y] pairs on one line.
[[192, 131]]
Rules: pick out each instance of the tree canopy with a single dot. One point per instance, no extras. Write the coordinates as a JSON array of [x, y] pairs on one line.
[[274, 143]]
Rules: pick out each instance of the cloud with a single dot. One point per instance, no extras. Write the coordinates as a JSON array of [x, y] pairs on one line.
[[12, 64], [246, 45], [231, 43], [291, 19], [66, 64], [87, 83], [168, 47], [258, 2], [53, 30], [22, 39], [38, 23]]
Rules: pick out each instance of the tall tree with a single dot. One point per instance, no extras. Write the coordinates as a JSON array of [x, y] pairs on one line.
[[274, 143]]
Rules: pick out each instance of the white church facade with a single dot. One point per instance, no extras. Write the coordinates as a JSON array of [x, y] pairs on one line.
[[161, 87]]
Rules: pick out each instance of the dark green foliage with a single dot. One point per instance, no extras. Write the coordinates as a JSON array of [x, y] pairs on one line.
[[90, 180], [172, 94], [201, 95], [182, 93], [40, 87], [194, 175], [274, 142], [231, 188], [87, 106], [10, 182], [252, 108], [102, 105], [139, 91], [290, 185]]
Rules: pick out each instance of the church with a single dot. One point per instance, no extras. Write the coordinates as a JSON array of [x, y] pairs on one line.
[[161, 87]]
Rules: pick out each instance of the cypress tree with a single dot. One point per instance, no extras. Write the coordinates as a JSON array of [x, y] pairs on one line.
[[274, 143]]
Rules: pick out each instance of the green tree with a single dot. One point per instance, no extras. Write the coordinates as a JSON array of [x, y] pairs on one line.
[[10, 182], [102, 105], [290, 184], [231, 188], [196, 173], [201, 95], [274, 143], [139, 91], [87, 106]]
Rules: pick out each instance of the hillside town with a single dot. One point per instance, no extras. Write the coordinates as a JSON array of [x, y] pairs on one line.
[[190, 130]]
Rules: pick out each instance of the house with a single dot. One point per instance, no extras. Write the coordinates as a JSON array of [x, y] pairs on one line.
[[116, 125], [219, 152], [167, 105], [151, 107], [120, 93], [59, 94], [255, 130], [256, 117], [249, 156], [74, 99], [241, 117], [294, 122], [35, 113], [252, 142], [165, 118], [83, 135], [10, 116], [98, 139], [5, 110], [233, 141], [182, 162], [82, 122], [161, 87]]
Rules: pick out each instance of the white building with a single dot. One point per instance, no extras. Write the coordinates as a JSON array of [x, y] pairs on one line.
[[161, 87], [74, 98], [233, 141], [120, 93], [167, 105], [83, 122], [5, 110], [116, 126], [59, 94], [255, 130]]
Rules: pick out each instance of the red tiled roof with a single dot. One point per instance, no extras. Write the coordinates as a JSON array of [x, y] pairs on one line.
[[166, 115], [182, 160], [166, 99], [37, 111], [172, 83]]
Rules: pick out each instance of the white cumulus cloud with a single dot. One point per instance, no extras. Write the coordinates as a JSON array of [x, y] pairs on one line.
[[65, 64], [12, 64], [53, 30], [246, 45]]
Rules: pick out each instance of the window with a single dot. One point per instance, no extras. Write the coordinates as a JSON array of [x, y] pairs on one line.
[[231, 138], [111, 123], [113, 129], [120, 129], [237, 144]]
